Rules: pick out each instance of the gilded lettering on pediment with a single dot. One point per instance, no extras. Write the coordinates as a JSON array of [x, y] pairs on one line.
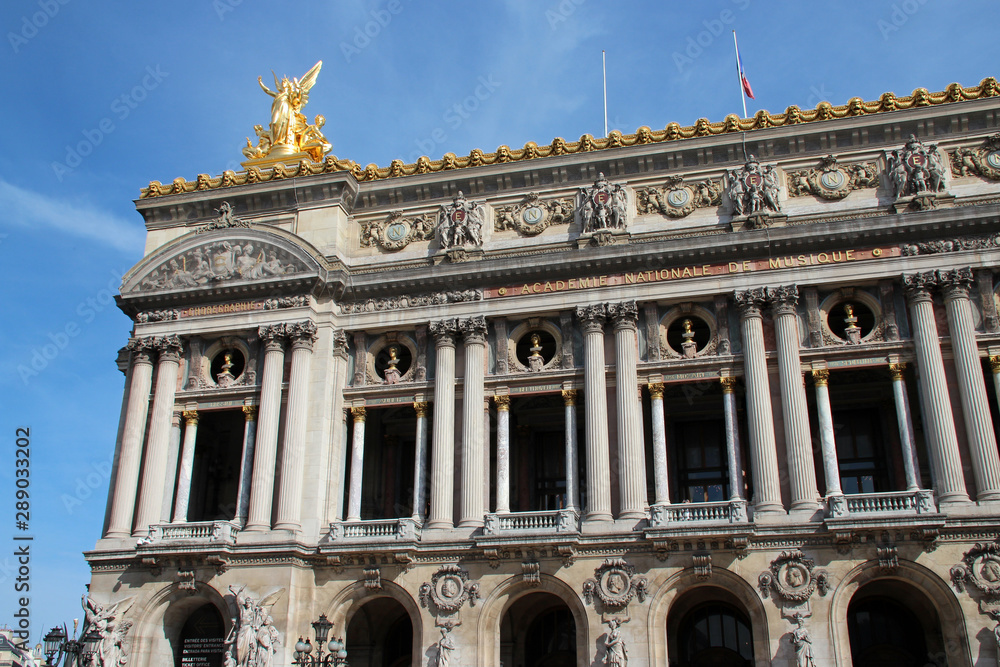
[[832, 180]]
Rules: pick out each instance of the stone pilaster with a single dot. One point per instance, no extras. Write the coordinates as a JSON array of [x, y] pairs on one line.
[[798, 441], [337, 472], [127, 480], [266, 449], [170, 471], [763, 453], [358, 416], [940, 424], [955, 285], [631, 452], [473, 505], [421, 408], [443, 447], [302, 336], [503, 453], [246, 462], [831, 467], [158, 445], [660, 478], [734, 454], [572, 463], [187, 466], [595, 396], [904, 421]]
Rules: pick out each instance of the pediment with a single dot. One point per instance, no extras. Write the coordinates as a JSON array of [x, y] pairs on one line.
[[224, 258]]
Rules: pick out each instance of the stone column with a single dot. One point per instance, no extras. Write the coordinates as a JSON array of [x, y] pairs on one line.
[[572, 463], [798, 441], [357, 464], [631, 450], [443, 447], [187, 466], [246, 462], [473, 505], [170, 471], [734, 455], [660, 479], [158, 446], [266, 449], [420, 462], [995, 369], [596, 415], [760, 419], [911, 467], [127, 480], [337, 472], [940, 424], [303, 337], [831, 466], [503, 453], [955, 286]]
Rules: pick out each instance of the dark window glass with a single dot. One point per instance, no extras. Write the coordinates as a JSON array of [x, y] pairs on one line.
[[715, 635], [860, 447], [702, 470]]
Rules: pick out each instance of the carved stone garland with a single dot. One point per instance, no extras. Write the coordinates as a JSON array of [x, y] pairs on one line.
[[677, 199], [396, 232], [615, 583], [793, 579], [533, 215], [832, 180], [983, 161], [979, 569], [448, 590]]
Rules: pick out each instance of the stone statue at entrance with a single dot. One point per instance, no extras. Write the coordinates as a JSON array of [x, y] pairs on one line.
[[107, 622], [802, 643], [446, 646], [615, 652], [256, 635]]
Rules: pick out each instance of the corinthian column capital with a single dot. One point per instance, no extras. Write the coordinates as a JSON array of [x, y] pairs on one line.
[[444, 331], [273, 336], [750, 301], [592, 317], [473, 330], [625, 314], [142, 349], [955, 283], [918, 286], [783, 299], [170, 347], [302, 334]]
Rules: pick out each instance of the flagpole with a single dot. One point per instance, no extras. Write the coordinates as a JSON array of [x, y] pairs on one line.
[[743, 97], [604, 67]]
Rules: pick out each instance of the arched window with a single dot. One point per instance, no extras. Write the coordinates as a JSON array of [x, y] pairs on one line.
[[538, 630], [715, 634], [884, 632], [202, 637]]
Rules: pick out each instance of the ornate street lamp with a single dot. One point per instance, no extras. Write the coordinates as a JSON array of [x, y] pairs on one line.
[[61, 649], [337, 655], [54, 645]]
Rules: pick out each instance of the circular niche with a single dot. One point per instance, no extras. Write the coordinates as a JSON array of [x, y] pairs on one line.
[[851, 320], [685, 330], [535, 349], [393, 355], [227, 366]]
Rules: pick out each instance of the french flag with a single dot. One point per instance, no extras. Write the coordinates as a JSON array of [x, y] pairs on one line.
[[743, 77]]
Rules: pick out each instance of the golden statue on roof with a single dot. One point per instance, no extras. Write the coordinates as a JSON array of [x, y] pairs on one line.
[[289, 137]]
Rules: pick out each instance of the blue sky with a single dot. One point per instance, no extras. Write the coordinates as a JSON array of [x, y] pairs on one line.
[[102, 97]]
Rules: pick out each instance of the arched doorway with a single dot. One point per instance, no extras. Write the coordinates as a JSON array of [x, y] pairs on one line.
[[891, 623], [201, 639], [538, 630], [708, 627], [380, 634]]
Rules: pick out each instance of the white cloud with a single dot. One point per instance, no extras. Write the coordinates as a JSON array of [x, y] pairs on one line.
[[31, 209]]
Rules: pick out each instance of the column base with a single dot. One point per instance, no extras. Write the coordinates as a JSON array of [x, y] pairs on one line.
[[768, 508], [470, 523], [256, 528], [632, 514], [988, 496], [118, 535], [955, 497], [598, 516], [804, 506], [439, 525], [290, 527]]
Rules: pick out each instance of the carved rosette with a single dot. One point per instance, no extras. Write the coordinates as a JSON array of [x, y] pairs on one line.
[[473, 330], [980, 569], [983, 161], [602, 207], [677, 199], [449, 589], [301, 334], [592, 317], [792, 578], [831, 180], [396, 232], [751, 301], [533, 215], [783, 299], [615, 583]]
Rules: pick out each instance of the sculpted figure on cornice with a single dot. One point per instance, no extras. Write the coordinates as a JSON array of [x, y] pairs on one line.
[[753, 189], [226, 220], [677, 199], [603, 206], [396, 232], [915, 169], [461, 223], [832, 180], [983, 161], [533, 215], [220, 261]]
